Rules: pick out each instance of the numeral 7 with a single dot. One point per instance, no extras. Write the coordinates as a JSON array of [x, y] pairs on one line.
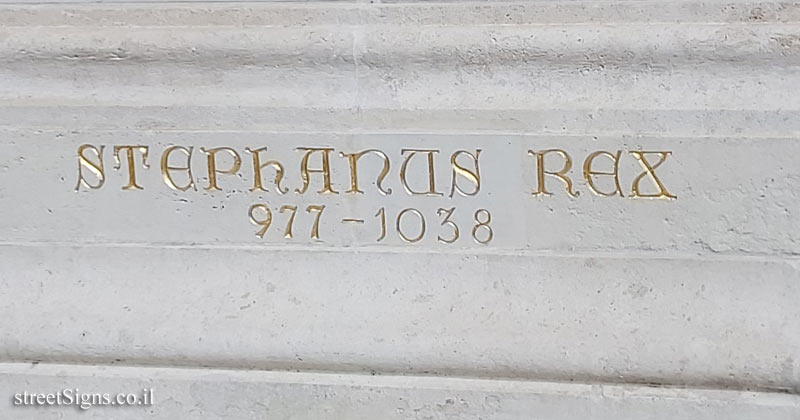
[[315, 228], [287, 233]]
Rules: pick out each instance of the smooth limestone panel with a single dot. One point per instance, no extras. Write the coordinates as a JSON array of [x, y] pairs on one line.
[[730, 196], [454, 261]]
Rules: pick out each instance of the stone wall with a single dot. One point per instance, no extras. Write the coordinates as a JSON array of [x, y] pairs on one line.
[[589, 209]]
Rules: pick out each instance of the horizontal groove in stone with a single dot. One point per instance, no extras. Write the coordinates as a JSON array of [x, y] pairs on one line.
[[398, 380], [699, 124], [534, 254], [249, 394], [347, 13], [656, 47]]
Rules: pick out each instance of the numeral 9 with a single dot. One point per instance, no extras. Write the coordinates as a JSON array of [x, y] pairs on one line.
[[264, 222]]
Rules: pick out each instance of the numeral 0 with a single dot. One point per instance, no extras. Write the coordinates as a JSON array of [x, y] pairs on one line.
[[398, 225]]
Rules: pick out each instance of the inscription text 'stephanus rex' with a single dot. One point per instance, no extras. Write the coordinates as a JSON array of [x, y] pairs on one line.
[[409, 192]]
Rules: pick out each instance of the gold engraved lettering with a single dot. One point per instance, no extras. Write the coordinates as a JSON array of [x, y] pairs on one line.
[[472, 177], [382, 215], [561, 174], [431, 176], [353, 159], [288, 232], [165, 168], [400, 230], [588, 173], [131, 164], [649, 169], [352, 220], [258, 166], [305, 171], [315, 227], [94, 167], [447, 221], [211, 155]]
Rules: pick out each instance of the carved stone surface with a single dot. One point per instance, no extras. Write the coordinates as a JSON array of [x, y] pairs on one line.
[[213, 393], [538, 196]]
